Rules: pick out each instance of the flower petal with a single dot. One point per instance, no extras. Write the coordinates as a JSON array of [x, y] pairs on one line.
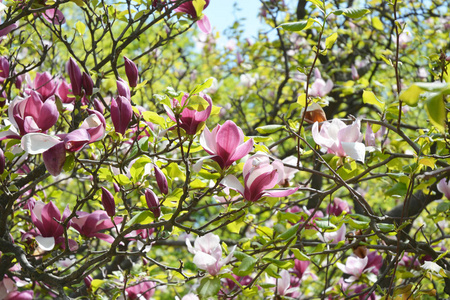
[[36, 143]]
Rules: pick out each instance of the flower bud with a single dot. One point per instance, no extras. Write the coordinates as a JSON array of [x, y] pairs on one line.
[[116, 187], [123, 89], [98, 106], [88, 84], [355, 75], [152, 203], [75, 76], [88, 281], [2, 161], [108, 202], [132, 72], [161, 180], [121, 113]]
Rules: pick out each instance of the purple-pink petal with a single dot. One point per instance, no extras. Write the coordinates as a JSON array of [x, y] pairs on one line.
[[54, 159]]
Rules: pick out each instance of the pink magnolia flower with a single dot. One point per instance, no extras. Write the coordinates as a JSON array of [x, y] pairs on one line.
[[320, 88], [333, 237], [142, 290], [340, 139], [190, 120], [260, 177], [153, 203], [90, 224], [31, 114], [284, 284], [196, 13], [338, 207], [43, 83], [54, 16], [54, 148], [208, 253], [444, 187], [225, 144], [355, 75], [63, 91], [354, 266], [123, 89], [46, 218], [369, 138], [301, 269], [121, 114], [190, 296]]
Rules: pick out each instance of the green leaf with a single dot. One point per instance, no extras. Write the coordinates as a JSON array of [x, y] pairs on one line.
[[268, 129], [358, 221], [324, 223], [284, 264], [240, 255], [352, 12], [411, 95], [298, 26], [329, 41], [150, 116], [96, 283], [370, 98], [209, 287], [80, 27], [246, 267], [122, 179], [197, 103], [300, 255], [143, 218], [289, 233], [435, 107], [202, 86], [398, 190], [318, 3], [199, 5], [443, 207], [384, 227]]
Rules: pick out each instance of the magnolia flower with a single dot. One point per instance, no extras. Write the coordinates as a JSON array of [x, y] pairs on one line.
[[190, 120], [143, 290], [208, 253], [47, 218], [338, 207], [260, 177], [354, 266], [247, 80], [43, 83], [301, 269], [355, 75], [444, 187], [333, 237], [225, 144], [31, 114], [153, 203], [340, 139], [161, 180], [404, 39], [284, 284], [196, 13], [320, 88], [89, 224], [63, 92], [54, 16], [369, 138], [54, 148]]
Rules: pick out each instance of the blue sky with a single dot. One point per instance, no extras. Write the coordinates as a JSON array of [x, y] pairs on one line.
[[222, 15]]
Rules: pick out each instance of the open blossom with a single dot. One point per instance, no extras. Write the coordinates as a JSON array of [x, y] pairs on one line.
[[31, 114], [444, 187], [46, 218], [340, 139], [225, 144], [43, 83], [144, 290], [54, 148], [338, 207], [196, 13], [354, 266], [90, 224], [190, 120], [320, 88], [260, 177], [208, 253]]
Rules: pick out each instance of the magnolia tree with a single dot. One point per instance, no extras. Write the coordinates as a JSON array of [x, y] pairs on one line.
[[141, 160]]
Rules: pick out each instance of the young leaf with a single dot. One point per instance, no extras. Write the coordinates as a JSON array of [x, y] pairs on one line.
[[298, 26], [269, 128], [201, 87], [435, 107], [209, 287], [353, 13], [370, 98], [411, 95], [329, 42]]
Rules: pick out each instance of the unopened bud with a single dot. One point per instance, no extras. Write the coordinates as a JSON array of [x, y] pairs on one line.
[[75, 76], [132, 72], [2, 161], [153, 203], [161, 180], [108, 202], [88, 84]]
